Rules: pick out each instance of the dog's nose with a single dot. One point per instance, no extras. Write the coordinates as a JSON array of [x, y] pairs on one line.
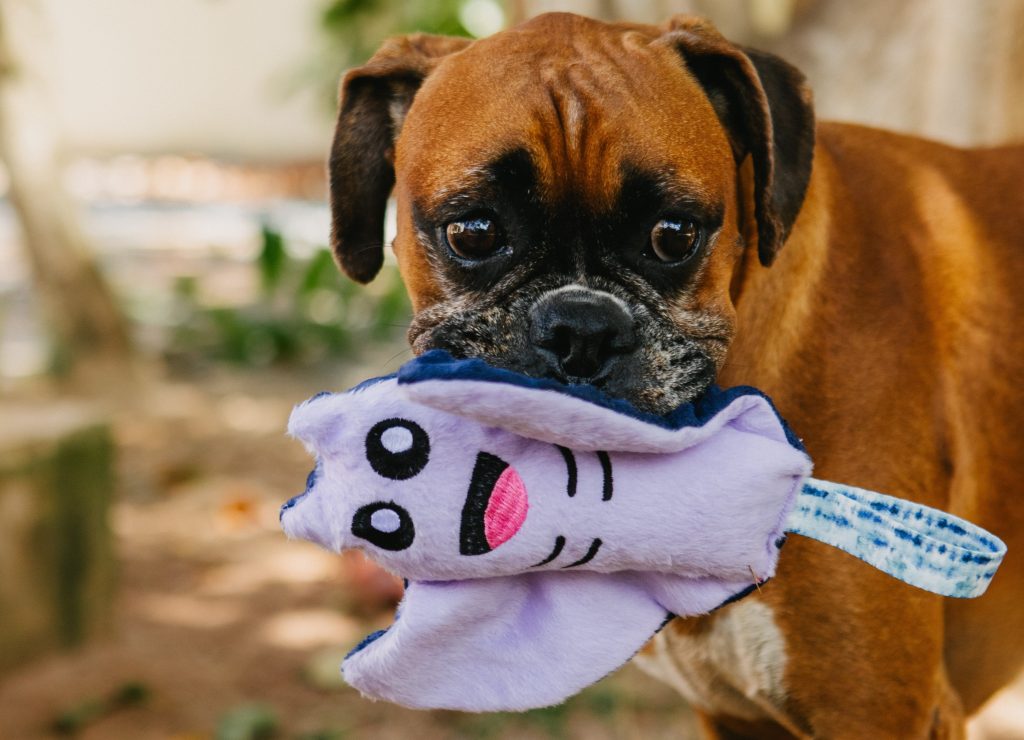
[[580, 333]]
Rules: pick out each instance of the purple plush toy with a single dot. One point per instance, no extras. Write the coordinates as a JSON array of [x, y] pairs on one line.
[[546, 532]]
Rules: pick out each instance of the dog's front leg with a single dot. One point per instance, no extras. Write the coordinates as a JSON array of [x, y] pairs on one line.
[[829, 649]]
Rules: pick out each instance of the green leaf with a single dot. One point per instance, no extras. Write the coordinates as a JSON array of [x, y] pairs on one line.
[[248, 722], [341, 13], [272, 260], [320, 273]]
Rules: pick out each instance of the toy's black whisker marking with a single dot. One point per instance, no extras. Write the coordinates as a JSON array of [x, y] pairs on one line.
[[559, 544], [606, 469], [594, 547], [570, 466]]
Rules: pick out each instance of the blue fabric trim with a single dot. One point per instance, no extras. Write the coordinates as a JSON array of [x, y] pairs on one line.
[[373, 636], [919, 545], [440, 365], [310, 482], [366, 384], [741, 594]]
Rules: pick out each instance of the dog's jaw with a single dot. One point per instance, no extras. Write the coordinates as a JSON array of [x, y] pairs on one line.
[[678, 356]]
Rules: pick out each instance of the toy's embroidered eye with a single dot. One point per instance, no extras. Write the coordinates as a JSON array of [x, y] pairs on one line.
[[386, 525], [396, 439], [385, 520], [397, 448]]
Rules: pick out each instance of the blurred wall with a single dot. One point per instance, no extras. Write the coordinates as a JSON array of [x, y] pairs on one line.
[[224, 77], [215, 77]]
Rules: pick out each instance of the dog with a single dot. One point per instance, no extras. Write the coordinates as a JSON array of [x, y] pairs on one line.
[[655, 209]]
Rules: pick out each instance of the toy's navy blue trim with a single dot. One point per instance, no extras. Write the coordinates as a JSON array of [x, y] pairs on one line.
[[440, 365], [372, 637], [365, 384], [310, 480], [741, 594]]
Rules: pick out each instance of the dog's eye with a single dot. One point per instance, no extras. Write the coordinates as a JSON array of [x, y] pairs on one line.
[[473, 238], [675, 240]]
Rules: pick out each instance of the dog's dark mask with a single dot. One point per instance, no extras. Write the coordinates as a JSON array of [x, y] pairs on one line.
[[573, 197]]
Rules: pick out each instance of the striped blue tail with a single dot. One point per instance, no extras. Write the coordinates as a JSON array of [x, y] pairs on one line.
[[919, 545]]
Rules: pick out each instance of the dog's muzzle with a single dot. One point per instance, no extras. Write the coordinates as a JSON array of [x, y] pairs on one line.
[[582, 335]]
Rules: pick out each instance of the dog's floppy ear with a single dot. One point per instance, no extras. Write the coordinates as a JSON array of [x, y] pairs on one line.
[[373, 102], [765, 106]]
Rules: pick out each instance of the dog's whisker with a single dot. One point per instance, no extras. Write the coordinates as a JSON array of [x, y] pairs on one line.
[[390, 360]]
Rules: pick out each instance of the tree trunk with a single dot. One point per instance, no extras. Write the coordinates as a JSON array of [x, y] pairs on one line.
[[90, 335], [57, 560]]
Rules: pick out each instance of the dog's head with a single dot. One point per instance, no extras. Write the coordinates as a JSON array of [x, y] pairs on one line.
[[574, 197]]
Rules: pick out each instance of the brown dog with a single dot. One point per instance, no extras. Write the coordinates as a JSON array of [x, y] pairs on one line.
[[601, 202]]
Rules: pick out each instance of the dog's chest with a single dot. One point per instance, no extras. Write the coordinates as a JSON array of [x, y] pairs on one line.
[[734, 666]]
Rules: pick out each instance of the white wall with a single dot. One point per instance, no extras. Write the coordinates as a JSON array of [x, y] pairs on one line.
[[206, 76]]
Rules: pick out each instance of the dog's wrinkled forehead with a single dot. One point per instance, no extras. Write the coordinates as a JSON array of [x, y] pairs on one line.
[[583, 99], [587, 102]]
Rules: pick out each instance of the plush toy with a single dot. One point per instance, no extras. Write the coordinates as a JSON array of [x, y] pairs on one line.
[[546, 532]]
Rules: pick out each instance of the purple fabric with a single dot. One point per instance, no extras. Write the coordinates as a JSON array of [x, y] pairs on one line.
[[552, 416], [548, 531], [613, 542], [490, 644], [714, 507]]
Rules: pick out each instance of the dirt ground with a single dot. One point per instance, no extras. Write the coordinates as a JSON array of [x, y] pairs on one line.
[[222, 624], [223, 627]]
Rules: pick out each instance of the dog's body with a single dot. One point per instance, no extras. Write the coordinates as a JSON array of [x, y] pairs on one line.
[[887, 330]]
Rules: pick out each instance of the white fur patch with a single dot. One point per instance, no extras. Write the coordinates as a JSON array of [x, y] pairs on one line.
[[735, 667]]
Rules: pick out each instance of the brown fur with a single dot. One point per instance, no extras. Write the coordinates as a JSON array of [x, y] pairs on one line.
[[888, 330]]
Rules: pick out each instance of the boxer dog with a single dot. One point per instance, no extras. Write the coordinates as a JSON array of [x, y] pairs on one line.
[[653, 209]]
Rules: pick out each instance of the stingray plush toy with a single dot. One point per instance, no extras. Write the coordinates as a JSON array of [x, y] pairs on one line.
[[546, 532]]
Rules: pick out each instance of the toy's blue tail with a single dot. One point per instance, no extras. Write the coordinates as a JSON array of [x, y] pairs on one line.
[[919, 545]]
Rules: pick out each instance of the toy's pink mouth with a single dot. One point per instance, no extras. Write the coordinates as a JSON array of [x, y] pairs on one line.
[[495, 507], [506, 511]]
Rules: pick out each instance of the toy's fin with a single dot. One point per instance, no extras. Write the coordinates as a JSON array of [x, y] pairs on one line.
[[919, 545], [314, 420], [505, 644]]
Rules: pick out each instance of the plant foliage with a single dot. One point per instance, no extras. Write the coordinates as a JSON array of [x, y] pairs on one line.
[[303, 311]]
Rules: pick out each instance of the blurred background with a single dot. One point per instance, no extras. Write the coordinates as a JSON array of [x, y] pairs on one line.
[[166, 296]]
